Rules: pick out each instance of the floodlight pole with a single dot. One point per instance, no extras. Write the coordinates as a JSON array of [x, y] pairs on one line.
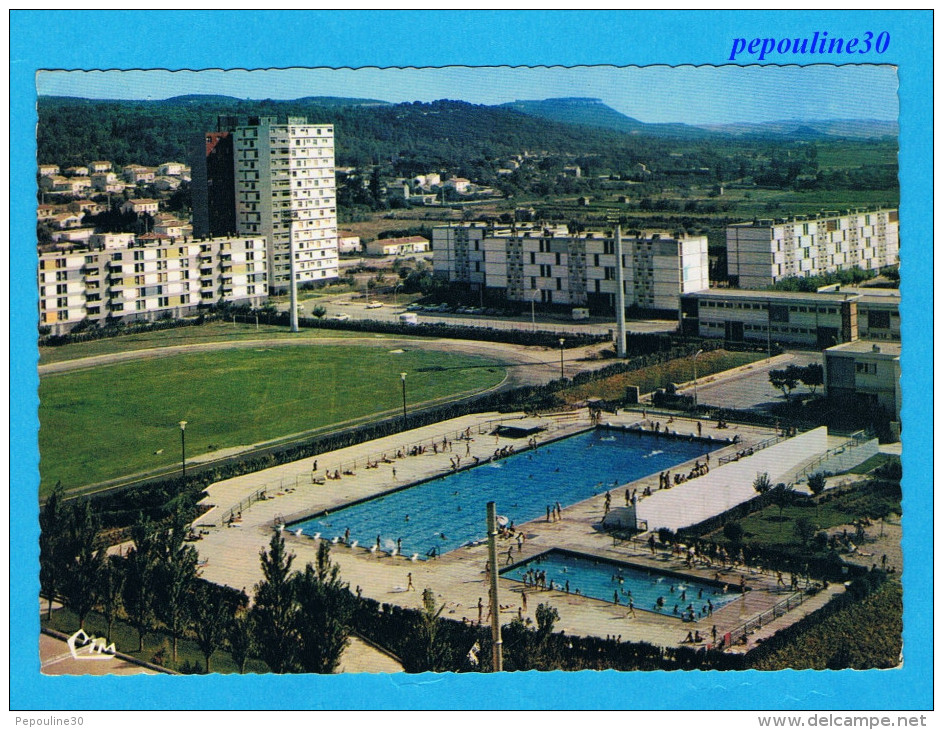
[[497, 659], [695, 378], [183, 449]]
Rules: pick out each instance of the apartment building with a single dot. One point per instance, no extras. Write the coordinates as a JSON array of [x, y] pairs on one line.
[[285, 191], [805, 319], [147, 278], [765, 251], [213, 186], [548, 264]]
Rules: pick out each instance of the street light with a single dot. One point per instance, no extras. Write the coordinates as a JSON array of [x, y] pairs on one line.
[[695, 378], [561, 358], [403, 378], [183, 448]]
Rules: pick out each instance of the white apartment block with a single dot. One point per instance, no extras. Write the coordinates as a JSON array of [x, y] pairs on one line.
[[764, 251], [286, 171], [152, 277], [549, 265]]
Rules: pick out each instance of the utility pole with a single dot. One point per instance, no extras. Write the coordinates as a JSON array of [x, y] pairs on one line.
[[289, 217], [620, 297], [497, 658]]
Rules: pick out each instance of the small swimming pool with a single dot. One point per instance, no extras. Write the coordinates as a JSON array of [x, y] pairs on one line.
[[448, 512], [611, 581]]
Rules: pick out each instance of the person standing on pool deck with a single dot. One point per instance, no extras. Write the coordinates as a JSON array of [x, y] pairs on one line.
[[559, 511], [480, 609], [698, 429], [615, 597], [409, 585], [378, 542], [524, 598], [631, 609], [510, 555]]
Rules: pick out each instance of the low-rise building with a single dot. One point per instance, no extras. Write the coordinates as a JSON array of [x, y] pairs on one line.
[[171, 168], [135, 174], [71, 185], [348, 243], [48, 170], [139, 206], [106, 182], [99, 166], [398, 246], [804, 319], [77, 171], [66, 220], [548, 264], [73, 235], [458, 184], [152, 277], [864, 372]]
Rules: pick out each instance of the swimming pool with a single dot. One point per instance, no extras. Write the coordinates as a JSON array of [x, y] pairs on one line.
[[609, 580], [448, 512]]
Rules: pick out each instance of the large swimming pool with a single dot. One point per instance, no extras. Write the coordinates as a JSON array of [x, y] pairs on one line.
[[680, 596], [448, 512]]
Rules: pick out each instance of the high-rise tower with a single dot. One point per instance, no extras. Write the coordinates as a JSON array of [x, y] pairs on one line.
[[285, 172]]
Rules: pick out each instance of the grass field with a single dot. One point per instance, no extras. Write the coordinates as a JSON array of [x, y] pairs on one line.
[[121, 419], [210, 332], [658, 376]]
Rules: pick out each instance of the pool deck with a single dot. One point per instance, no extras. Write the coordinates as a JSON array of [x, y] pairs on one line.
[[230, 554]]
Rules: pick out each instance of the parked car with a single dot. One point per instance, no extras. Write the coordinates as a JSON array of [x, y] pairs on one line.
[[374, 305], [342, 317]]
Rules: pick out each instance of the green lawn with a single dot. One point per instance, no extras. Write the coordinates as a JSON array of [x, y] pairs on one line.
[[121, 419], [658, 376], [210, 332]]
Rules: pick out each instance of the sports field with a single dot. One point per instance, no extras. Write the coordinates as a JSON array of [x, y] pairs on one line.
[[122, 419]]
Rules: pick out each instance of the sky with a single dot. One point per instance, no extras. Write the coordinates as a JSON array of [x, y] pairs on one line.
[[686, 94]]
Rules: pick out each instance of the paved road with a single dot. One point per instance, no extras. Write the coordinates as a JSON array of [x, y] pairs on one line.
[[751, 388], [355, 307]]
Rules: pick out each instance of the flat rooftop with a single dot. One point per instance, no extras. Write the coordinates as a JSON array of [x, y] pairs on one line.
[[868, 346], [773, 295]]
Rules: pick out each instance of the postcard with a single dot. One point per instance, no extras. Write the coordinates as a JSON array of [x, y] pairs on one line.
[[519, 362]]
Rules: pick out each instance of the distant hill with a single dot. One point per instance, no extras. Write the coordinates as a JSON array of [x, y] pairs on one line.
[[804, 129], [594, 113]]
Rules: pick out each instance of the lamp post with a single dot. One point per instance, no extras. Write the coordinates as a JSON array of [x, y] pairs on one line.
[[403, 378], [562, 340], [183, 449], [289, 216], [695, 378]]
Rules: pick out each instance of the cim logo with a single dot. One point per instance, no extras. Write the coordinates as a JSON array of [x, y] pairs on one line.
[[83, 646]]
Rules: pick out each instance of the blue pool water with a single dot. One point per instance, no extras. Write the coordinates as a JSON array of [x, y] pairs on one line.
[[608, 580], [448, 512]]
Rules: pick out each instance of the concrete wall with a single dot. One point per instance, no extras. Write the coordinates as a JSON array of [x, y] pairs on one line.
[[726, 486]]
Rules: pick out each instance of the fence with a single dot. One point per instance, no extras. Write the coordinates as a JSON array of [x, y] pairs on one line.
[[857, 449], [757, 622], [772, 441], [370, 461]]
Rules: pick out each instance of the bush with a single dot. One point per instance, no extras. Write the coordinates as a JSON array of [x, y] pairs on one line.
[[733, 531]]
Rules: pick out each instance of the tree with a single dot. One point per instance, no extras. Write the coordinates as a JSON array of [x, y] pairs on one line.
[[273, 615], [762, 483], [318, 312], [322, 621], [83, 560], [812, 377], [733, 531], [436, 653], [547, 616], [140, 580], [804, 529], [51, 560], [109, 591], [816, 483], [239, 634], [176, 571], [210, 619], [782, 498], [786, 380]]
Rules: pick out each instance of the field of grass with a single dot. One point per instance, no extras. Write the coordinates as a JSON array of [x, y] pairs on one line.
[[210, 332], [658, 376], [768, 527], [125, 639], [121, 419], [866, 635]]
